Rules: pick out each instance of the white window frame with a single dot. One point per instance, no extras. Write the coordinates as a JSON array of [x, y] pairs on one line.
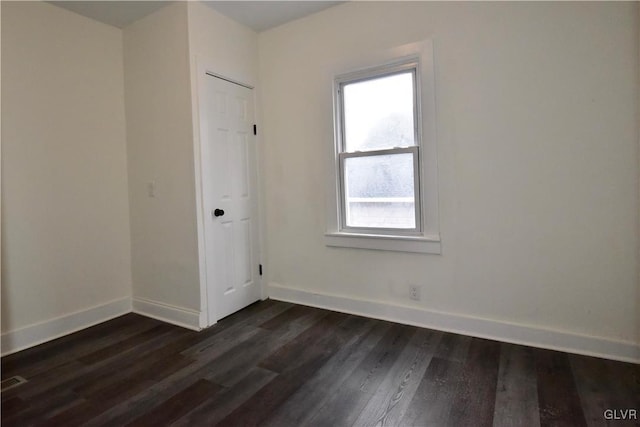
[[409, 65], [425, 238]]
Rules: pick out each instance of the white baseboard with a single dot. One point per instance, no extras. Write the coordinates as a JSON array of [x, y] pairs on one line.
[[39, 333], [466, 325], [179, 316]]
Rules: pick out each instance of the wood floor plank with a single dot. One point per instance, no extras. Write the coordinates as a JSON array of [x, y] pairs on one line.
[[110, 388], [624, 380], [392, 398], [106, 366], [287, 316], [604, 385], [370, 373], [257, 409], [147, 368], [25, 358], [297, 410], [296, 350], [83, 411], [593, 388], [453, 347], [220, 405], [234, 328], [58, 352], [432, 402], [101, 398], [476, 394], [13, 406], [124, 345], [147, 398], [557, 393], [517, 393], [207, 362], [238, 360], [179, 404], [44, 379], [151, 373], [344, 407], [39, 410]]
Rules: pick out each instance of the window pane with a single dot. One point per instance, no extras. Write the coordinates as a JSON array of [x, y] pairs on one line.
[[378, 113], [379, 191]]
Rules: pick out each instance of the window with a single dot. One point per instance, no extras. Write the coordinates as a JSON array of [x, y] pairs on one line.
[[379, 147], [384, 167]]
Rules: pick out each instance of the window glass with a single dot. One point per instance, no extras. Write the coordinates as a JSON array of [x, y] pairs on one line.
[[379, 191], [379, 113]]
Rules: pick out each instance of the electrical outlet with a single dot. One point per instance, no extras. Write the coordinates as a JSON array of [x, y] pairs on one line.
[[414, 293]]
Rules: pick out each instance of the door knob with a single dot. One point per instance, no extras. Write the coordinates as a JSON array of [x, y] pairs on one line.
[[218, 212]]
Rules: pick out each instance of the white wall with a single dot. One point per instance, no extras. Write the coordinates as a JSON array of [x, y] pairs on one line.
[[537, 105], [230, 47], [65, 223], [159, 149]]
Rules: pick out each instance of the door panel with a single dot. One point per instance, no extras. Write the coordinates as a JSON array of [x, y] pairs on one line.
[[228, 153]]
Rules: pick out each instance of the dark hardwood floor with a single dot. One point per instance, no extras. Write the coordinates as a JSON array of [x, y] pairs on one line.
[[279, 364]]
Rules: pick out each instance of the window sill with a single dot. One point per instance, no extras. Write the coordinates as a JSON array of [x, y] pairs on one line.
[[418, 244]]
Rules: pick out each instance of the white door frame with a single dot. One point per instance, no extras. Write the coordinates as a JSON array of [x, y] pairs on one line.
[[204, 70]]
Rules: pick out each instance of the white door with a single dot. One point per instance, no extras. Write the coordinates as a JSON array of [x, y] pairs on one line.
[[229, 200]]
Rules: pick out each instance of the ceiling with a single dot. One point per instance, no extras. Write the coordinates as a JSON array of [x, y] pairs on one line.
[[258, 15]]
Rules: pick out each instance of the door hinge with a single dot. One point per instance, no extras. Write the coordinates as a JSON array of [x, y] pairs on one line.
[[255, 129], [260, 269]]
